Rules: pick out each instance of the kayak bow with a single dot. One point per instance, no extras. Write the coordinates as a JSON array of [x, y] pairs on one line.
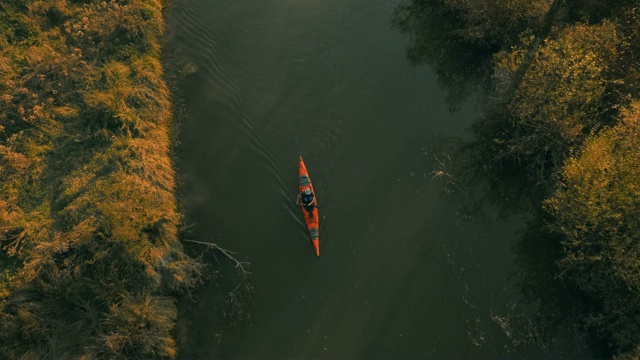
[[310, 218]]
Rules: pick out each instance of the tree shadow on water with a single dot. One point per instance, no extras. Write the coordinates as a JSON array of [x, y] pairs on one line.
[[435, 39], [223, 306], [541, 318], [457, 48]]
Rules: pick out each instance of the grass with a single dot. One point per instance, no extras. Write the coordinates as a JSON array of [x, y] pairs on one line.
[[90, 258]]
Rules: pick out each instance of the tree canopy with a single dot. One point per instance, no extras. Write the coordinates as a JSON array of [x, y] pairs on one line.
[[596, 212], [559, 134]]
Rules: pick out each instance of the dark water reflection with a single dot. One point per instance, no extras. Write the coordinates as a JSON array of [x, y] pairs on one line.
[[402, 273], [462, 67]]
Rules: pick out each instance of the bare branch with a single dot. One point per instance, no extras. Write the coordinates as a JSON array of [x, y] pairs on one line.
[[239, 264], [187, 227]]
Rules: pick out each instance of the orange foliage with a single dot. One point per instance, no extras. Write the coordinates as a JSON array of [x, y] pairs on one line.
[[86, 184]]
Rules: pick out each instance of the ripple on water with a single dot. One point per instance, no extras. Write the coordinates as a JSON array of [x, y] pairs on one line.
[[245, 79]]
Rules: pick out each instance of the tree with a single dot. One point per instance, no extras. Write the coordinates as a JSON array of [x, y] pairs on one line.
[[557, 104], [596, 212], [458, 37]]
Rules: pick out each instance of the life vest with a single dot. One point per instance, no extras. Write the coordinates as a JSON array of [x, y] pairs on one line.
[[307, 199]]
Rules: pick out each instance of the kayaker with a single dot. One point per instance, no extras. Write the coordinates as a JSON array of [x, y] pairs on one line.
[[306, 199]]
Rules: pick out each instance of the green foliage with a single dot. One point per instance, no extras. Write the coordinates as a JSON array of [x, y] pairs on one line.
[[626, 68], [498, 22], [17, 28], [563, 126], [596, 11], [557, 105], [457, 37], [595, 211]]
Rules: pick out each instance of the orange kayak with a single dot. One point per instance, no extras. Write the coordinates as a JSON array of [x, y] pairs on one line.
[[310, 218]]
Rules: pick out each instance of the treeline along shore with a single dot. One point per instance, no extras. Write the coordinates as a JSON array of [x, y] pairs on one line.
[[559, 136], [90, 260]]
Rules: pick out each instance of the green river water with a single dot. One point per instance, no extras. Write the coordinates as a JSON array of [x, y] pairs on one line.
[[403, 273]]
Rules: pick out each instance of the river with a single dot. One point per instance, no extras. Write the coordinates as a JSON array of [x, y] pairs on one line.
[[403, 273]]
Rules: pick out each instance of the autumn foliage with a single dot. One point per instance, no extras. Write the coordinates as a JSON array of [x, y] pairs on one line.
[[559, 136], [596, 211], [90, 256]]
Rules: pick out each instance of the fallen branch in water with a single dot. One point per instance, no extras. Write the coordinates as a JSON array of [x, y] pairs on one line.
[[187, 227], [225, 252]]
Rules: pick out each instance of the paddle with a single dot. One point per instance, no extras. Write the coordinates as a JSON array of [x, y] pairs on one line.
[[294, 204]]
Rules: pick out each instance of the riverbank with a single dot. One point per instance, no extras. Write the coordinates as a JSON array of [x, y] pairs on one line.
[[90, 259], [558, 138]]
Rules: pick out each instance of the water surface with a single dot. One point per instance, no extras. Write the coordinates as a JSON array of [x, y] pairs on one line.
[[402, 274]]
